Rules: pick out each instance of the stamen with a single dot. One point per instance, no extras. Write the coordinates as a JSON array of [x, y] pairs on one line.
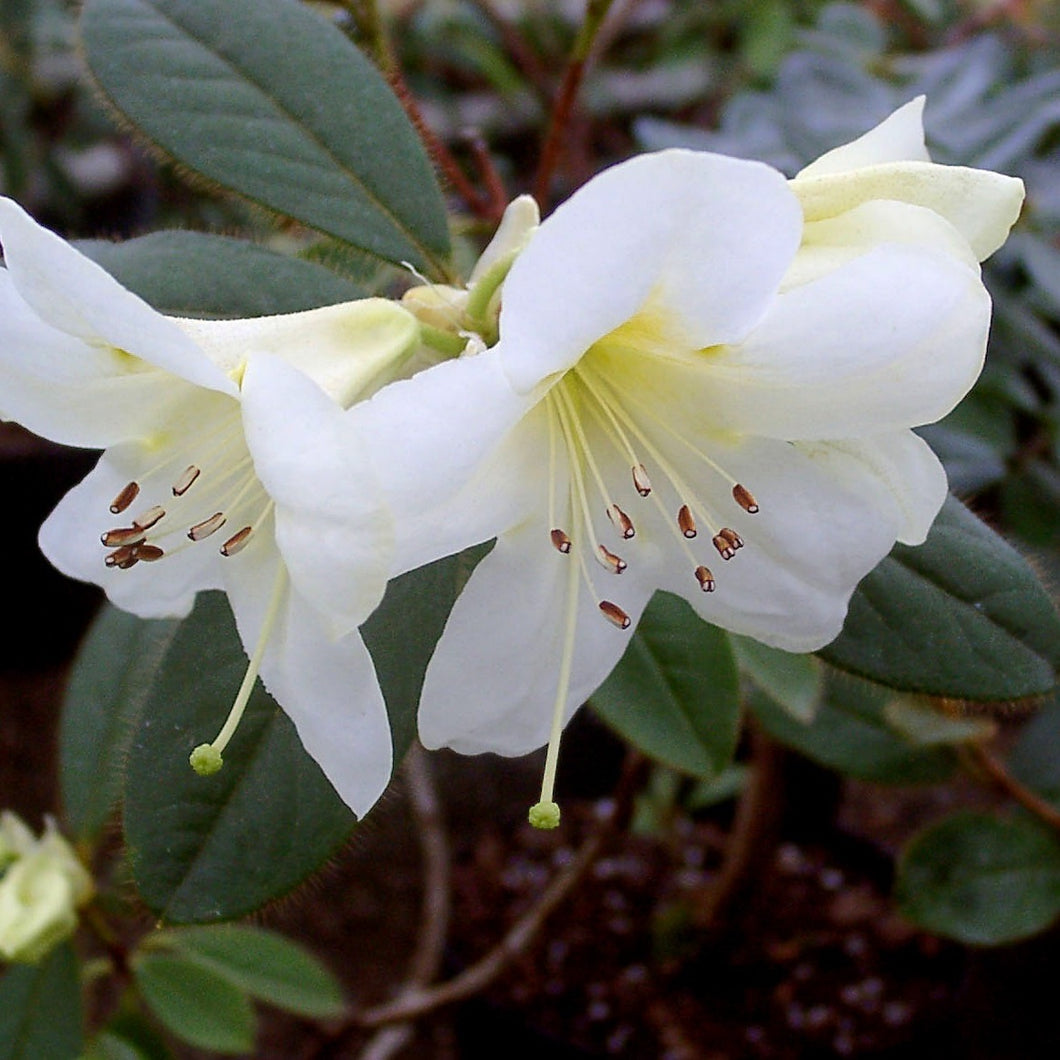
[[686, 522], [613, 563], [122, 535], [147, 519], [183, 484], [731, 536], [705, 579], [237, 542], [726, 549], [123, 558], [207, 757], [207, 526], [560, 541], [124, 499], [149, 553], [641, 480], [622, 523], [615, 614], [744, 499]]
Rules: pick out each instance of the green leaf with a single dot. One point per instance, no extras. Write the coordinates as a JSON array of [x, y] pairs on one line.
[[195, 1003], [109, 685], [962, 615], [675, 693], [926, 725], [40, 1008], [1035, 758], [266, 99], [218, 847], [195, 274], [980, 879], [795, 682], [405, 627], [109, 1046], [265, 965], [851, 734]]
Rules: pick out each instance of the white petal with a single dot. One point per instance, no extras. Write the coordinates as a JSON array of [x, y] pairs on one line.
[[437, 434], [331, 526], [73, 294], [520, 221], [64, 389], [981, 205], [898, 138], [836, 241], [698, 239], [893, 340], [492, 682], [327, 687], [70, 538], [344, 348]]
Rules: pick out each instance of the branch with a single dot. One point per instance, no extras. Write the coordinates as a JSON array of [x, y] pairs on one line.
[[983, 762]]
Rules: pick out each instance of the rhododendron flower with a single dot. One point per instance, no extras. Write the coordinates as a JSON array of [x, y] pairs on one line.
[[704, 382], [230, 463]]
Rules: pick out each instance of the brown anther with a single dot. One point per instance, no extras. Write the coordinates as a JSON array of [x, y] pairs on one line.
[[207, 526], [731, 536], [744, 499], [686, 522], [183, 484], [615, 614], [613, 563], [145, 520], [725, 550], [122, 535], [705, 579], [124, 499], [560, 541], [149, 553], [122, 558], [237, 542], [641, 480], [622, 522]]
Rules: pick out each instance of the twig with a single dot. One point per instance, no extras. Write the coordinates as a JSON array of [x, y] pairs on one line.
[[495, 189], [983, 761], [418, 1002], [559, 119], [522, 55], [756, 812]]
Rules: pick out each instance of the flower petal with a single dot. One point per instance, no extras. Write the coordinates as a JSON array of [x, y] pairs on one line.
[[70, 538], [699, 239], [442, 432], [327, 687], [491, 684], [73, 294], [981, 205], [520, 221], [331, 525], [344, 348], [892, 340], [898, 138]]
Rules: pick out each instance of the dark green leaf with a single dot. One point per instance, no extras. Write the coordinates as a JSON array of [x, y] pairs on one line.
[[850, 734], [214, 848], [195, 274], [40, 1009], [980, 879], [1035, 759], [962, 615], [195, 1003], [267, 99], [109, 685], [795, 682], [266, 965], [675, 692]]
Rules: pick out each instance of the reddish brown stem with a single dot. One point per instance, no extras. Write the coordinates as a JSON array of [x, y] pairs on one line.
[[1004, 781]]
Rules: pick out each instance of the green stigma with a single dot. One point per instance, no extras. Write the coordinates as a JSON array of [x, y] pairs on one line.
[[544, 815], [206, 760]]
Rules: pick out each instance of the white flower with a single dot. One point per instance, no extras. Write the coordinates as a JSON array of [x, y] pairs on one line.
[[696, 389], [40, 892], [230, 463]]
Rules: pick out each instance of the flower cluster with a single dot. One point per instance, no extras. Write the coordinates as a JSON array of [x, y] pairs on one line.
[[42, 885], [695, 376]]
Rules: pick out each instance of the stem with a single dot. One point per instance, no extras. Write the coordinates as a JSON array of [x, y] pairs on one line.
[[982, 761], [577, 64]]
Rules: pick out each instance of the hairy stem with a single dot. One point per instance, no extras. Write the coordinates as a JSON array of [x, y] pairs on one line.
[[983, 763]]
